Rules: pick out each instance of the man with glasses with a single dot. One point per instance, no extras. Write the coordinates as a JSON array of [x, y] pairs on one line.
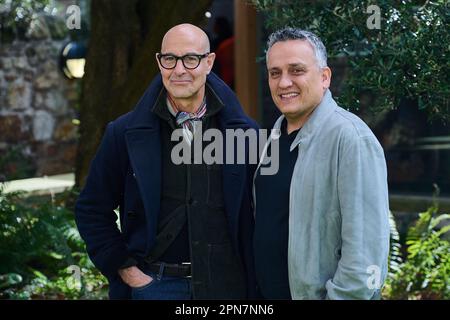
[[185, 229]]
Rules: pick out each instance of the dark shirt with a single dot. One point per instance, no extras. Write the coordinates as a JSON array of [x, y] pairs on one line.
[[272, 222], [177, 180]]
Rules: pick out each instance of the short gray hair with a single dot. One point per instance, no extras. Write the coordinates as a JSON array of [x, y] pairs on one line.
[[289, 33]]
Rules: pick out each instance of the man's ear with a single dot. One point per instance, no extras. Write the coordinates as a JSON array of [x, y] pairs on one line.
[[326, 77], [210, 60], [157, 61]]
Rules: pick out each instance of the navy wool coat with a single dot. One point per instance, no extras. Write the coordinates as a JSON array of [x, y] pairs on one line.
[[126, 171]]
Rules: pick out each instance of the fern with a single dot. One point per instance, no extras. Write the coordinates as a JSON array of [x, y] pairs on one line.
[[426, 272], [395, 256], [38, 241]]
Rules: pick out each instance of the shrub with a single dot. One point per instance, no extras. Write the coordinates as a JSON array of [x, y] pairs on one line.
[[40, 248], [425, 274], [405, 58]]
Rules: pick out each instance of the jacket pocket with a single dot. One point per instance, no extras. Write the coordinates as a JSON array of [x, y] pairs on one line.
[[133, 211]]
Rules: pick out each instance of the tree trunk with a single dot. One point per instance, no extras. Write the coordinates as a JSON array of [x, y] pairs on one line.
[[125, 35]]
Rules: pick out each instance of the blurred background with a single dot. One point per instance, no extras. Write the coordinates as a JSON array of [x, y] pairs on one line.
[[69, 67]]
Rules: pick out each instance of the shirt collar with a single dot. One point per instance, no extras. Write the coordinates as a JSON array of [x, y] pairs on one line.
[[326, 106], [213, 102]]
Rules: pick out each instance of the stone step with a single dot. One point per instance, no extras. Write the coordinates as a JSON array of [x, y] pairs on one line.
[[41, 185]]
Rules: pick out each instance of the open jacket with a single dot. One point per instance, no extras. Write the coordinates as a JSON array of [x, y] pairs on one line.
[[126, 170], [338, 209]]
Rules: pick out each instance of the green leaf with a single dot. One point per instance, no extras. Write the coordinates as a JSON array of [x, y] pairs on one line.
[[440, 218], [39, 274], [56, 255], [443, 230]]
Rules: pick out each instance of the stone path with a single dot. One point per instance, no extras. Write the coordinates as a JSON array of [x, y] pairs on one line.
[[42, 185]]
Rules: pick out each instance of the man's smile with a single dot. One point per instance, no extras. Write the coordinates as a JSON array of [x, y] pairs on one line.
[[180, 82], [288, 96]]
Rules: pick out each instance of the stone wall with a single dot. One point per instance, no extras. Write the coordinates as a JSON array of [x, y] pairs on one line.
[[37, 108]]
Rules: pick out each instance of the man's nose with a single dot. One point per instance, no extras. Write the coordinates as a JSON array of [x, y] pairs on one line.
[[179, 67], [285, 81]]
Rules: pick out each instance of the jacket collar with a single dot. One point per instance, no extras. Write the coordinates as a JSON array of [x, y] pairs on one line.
[[214, 104], [325, 108], [230, 114]]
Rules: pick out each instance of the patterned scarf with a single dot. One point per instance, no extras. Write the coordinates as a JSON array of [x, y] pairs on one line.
[[186, 119]]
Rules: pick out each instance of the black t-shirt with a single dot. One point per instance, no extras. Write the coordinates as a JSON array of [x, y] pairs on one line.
[[272, 222]]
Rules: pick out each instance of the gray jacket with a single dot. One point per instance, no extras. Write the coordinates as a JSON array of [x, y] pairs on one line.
[[338, 209]]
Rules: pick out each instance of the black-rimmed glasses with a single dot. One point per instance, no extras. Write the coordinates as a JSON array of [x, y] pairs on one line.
[[190, 61]]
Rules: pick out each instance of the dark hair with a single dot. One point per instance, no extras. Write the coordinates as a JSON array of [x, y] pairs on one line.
[[289, 33]]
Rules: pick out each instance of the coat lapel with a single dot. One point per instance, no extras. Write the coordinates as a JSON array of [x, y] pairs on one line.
[[144, 148], [143, 141], [234, 177], [233, 180]]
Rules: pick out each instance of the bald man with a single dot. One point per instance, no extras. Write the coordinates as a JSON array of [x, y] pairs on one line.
[[185, 229]]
